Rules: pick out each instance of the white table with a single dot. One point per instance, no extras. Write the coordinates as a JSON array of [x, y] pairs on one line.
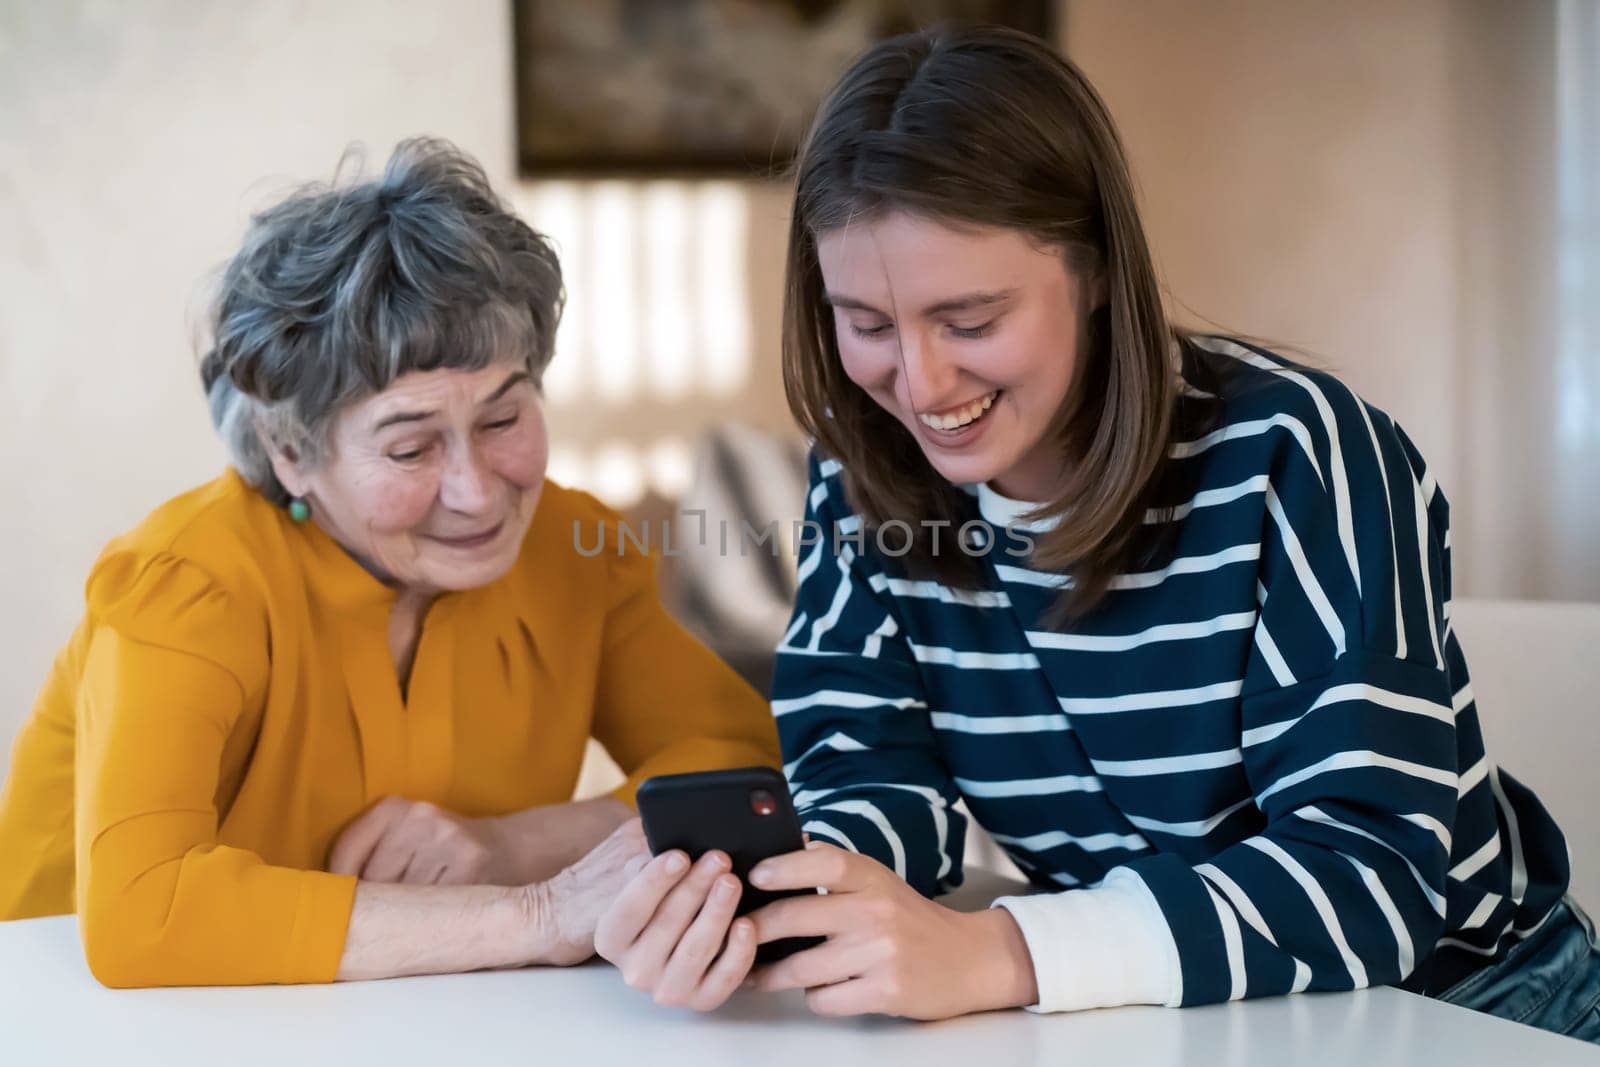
[[53, 1012]]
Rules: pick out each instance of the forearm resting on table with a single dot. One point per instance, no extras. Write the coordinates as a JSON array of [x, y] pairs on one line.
[[399, 930]]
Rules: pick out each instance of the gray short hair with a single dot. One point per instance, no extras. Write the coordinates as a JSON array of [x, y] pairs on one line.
[[342, 288]]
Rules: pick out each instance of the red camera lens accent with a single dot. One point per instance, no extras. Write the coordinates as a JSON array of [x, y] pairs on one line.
[[763, 802]]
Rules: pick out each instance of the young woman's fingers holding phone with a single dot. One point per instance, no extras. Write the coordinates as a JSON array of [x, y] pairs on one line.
[[672, 932], [713, 956], [889, 949]]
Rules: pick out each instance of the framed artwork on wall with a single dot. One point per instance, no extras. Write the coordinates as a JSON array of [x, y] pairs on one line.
[[699, 87]]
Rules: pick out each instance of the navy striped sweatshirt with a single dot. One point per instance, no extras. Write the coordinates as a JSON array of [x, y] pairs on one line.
[[1271, 729]]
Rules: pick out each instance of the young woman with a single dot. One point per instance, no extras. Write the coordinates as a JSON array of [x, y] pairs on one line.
[[1170, 613]]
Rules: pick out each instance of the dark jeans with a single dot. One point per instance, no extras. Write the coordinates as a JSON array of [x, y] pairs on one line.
[[1551, 980]]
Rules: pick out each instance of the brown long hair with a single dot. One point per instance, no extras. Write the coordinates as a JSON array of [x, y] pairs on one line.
[[992, 127]]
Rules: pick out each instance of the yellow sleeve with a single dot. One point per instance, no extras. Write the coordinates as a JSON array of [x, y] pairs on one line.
[[665, 703], [160, 901], [36, 875]]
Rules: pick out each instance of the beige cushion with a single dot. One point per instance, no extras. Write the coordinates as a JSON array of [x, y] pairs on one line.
[[1535, 670]]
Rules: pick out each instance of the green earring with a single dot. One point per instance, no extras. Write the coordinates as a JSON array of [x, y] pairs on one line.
[[299, 510]]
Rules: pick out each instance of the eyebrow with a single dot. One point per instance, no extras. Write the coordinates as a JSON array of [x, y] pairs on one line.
[[967, 302], [515, 379]]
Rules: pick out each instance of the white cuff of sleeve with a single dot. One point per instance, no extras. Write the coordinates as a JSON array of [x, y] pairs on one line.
[[1099, 948]]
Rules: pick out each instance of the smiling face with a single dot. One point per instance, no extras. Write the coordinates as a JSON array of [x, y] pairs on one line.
[[968, 336], [432, 482]]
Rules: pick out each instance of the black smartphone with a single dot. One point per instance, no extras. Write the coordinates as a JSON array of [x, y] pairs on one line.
[[746, 813]]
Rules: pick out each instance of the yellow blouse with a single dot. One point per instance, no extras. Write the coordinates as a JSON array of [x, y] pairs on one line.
[[229, 704]]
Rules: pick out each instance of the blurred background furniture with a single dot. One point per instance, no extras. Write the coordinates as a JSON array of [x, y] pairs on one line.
[[1536, 674]]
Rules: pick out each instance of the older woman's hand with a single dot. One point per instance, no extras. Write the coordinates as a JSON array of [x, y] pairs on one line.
[[397, 930], [672, 931], [570, 905], [416, 843]]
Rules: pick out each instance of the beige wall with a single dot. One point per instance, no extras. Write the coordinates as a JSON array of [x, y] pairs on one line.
[[1373, 181], [134, 141]]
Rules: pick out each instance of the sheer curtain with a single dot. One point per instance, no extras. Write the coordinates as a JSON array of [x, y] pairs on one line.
[[1576, 418], [1528, 312]]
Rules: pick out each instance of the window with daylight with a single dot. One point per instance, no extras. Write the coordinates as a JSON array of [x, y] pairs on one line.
[[655, 344]]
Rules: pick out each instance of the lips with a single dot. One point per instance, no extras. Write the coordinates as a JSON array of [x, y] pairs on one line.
[[960, 416], [972, 425], [476, 540]]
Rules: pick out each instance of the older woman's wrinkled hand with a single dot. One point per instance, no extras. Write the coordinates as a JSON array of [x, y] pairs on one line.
[[416, 843], [568, 907]]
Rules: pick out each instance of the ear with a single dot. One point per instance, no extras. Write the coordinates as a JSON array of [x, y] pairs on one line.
[[285, 461]]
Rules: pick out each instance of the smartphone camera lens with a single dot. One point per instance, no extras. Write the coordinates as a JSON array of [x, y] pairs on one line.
[[763, 802]]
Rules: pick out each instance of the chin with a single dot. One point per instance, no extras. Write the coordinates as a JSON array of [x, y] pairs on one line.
[[965, 470], [460, 576]]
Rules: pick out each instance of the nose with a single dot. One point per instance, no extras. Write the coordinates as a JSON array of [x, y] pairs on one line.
[[467, 485], [931, 380]]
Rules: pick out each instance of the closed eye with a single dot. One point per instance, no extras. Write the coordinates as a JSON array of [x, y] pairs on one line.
[[871, 332], [501, 424]]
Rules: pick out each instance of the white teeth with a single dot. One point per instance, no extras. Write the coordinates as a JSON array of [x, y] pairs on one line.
[[957, 419]]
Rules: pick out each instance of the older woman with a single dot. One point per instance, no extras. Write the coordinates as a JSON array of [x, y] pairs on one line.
[[324, 715]]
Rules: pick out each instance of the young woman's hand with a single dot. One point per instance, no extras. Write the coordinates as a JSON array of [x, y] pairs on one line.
[[888, 949], [672, 933]]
